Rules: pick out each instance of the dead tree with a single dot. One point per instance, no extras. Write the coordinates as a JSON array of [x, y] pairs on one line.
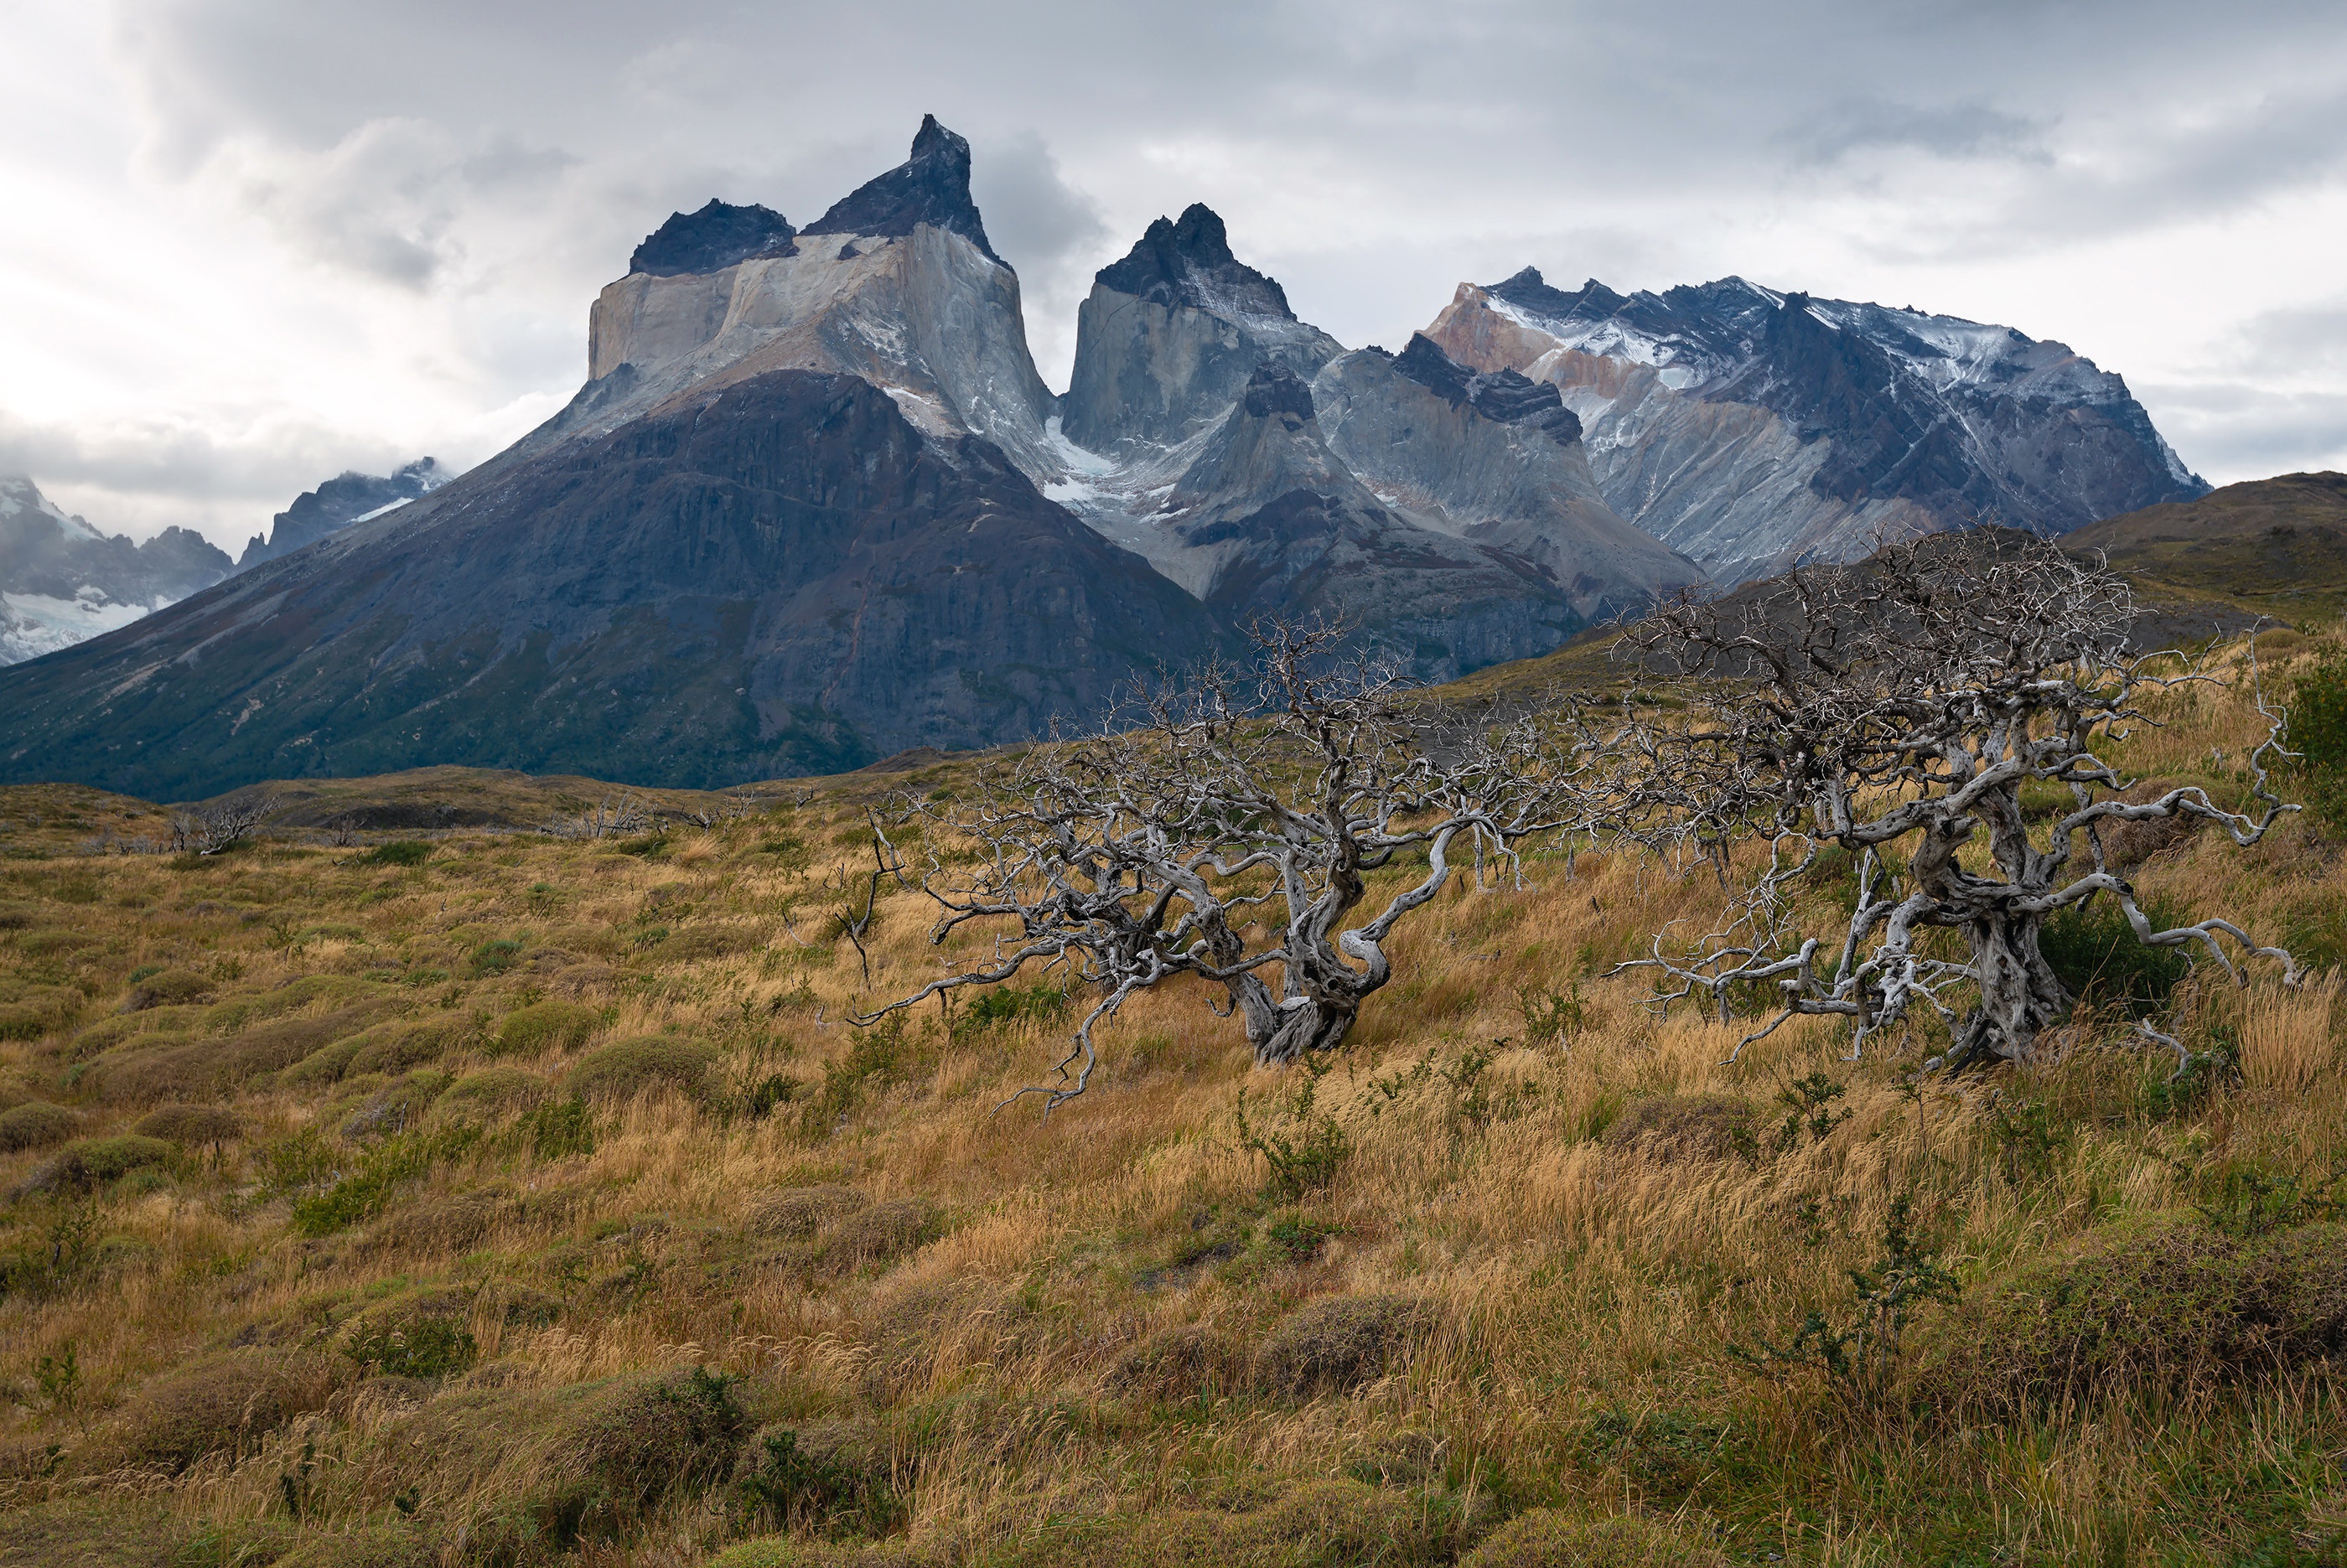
[[210, 829], [1907, 701], [1229, 834]]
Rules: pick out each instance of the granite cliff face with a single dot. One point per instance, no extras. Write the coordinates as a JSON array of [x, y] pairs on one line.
[[1170, 336], [1446, 515], [1496, 459], [349, 497], [1751, 428], [902, 291], [63, 582]]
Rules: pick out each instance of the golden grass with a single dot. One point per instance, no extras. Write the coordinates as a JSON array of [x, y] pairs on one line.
[[1586, 1298]]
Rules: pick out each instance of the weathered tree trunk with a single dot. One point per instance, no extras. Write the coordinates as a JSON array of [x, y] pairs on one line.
[[2019, 993], [1313, 1023]]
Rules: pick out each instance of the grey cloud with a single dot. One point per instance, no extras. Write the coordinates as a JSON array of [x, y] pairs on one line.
[[1944, 130], [499, 158], [2229, 431], [140, 477]]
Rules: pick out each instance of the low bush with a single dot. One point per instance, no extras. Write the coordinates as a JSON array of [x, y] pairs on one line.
[[421, 1346], [799, 1212], [1545, 1538], [35, 1124], [170, 988], [1685, 1127], [95, 1162], [382, 1172], [192, 1126], [547, 1025], [2157, 1308], [492, 1092], [629, 1066], [2094, 950], [226, 1404], [1179, 1364], [1336, 1345], [829, 1476]]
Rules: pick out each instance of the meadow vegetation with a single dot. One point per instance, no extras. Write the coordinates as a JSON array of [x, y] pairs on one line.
[[487, 1196]]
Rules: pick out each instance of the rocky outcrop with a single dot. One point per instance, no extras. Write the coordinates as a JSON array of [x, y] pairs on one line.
[[931, 188], [712, 239], [780, 576], [1751, 429], [1494, 458], [914, 301], [1270, 522], [350, 497], [1169, 335], [63, 582]]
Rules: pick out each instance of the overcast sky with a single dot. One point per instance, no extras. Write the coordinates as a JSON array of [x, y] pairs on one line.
[[249, 243]]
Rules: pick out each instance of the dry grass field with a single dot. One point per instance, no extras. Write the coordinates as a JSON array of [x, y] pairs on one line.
[[478, 1197]]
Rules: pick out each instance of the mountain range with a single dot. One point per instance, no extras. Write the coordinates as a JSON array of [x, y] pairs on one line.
[[814, 504]]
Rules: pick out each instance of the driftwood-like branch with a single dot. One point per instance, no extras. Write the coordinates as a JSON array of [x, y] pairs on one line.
[[1907, 701], [1226, 829]]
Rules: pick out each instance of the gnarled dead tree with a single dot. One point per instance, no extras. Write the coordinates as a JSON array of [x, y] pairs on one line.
[[1906, 702], [1229, 835]]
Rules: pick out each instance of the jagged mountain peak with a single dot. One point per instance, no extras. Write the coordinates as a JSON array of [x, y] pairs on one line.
[[1187, 262], [1504, 395], [349, 497], [712, 239], [18, 494], [931, 186]]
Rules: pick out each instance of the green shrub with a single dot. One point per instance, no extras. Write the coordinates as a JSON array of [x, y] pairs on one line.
[[560, 1129], [20, 1020], [1336, 1345], [399, 852], [1008, 1004], [2318, 733], [95, 1162], [496, 956], [2094, 950], [547, 1025], [2157, 1308], [35, 1124], [420, 1347], [832, 1476], [629, 1066], [382, 1171]]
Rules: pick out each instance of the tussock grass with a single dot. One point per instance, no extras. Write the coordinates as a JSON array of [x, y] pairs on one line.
[[1502, 1326]]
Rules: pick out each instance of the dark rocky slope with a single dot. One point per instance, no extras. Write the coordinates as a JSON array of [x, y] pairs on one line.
[[779, 577]]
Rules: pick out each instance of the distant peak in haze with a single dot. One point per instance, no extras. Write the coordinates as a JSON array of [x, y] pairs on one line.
[[930, 187], [1189, 263], [712, 239]]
